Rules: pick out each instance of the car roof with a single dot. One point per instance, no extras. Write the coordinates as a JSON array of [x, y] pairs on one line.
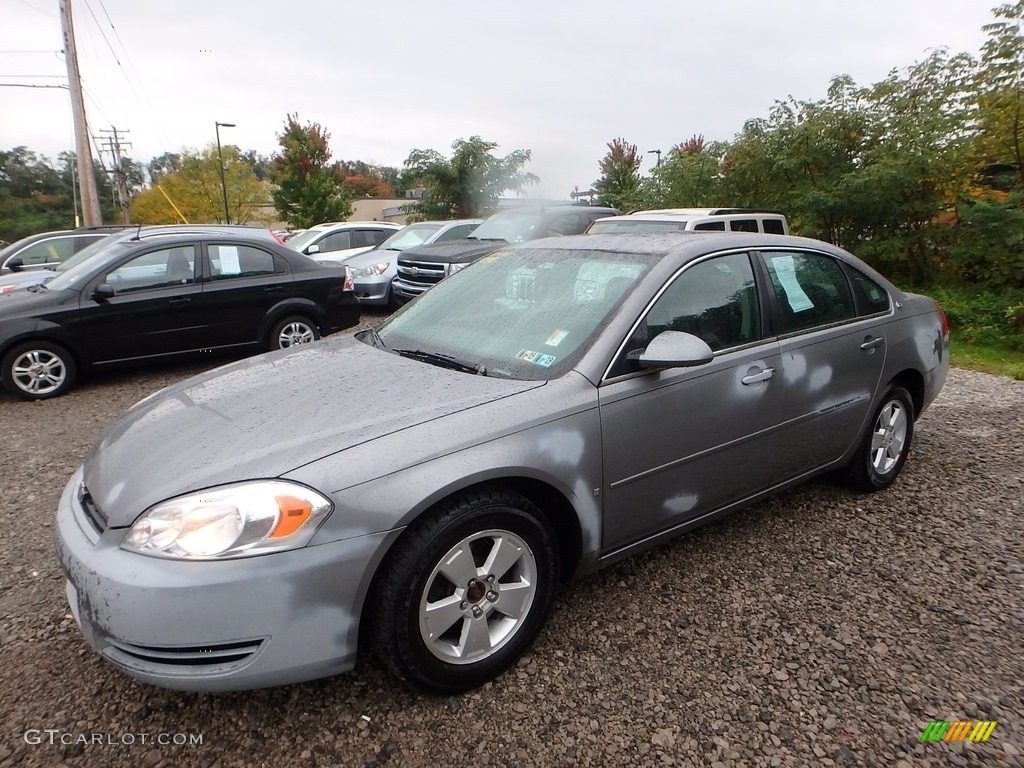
[[352, 225], [691, 212], [687, 244]]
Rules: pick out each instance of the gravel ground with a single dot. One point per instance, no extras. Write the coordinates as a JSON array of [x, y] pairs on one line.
[[819, 628]]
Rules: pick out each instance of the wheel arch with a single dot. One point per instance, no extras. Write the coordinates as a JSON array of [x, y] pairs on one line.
[[300, 307], [80, 360], [912, 381]]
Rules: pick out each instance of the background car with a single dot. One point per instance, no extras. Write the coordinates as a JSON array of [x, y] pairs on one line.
[[340, 239], [565, 403], [49, 248], [165, 297], [694, 219], [422, 267], [373, 271]]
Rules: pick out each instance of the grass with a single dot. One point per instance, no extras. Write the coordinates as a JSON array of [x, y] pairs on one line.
[[987, 359], [986, 328]]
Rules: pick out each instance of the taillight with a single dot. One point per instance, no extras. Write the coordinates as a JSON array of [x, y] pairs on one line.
[[945, 320], [350, 286]]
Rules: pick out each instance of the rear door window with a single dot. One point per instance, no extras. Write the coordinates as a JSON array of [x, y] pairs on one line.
[[811, 290]]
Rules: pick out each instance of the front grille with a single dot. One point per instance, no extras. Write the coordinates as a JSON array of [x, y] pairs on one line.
[[421, 272], [204, 659], [96, 517]]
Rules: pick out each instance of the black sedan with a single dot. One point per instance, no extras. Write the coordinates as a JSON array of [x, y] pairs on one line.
[[164, 298]]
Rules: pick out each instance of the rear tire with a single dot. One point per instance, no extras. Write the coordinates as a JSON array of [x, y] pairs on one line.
[[293, 331], [37, 370], [464, 592], [885, 446]]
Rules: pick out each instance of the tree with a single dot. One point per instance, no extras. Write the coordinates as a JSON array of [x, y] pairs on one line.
[[168, 162], [360, 179], [619, 185], [687, 178], [467, 185], [308, 190], [195, 190]]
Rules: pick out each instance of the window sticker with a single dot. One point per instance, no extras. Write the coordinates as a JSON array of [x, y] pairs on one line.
[[786, 272], [537, 358], [229, 260], [557, 337]]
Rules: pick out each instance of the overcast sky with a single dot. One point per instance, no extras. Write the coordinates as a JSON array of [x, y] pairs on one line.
[[561, 78]]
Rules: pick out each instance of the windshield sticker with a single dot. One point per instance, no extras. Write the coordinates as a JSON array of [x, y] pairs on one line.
[[557, 337], [786, 272], [537, 358]]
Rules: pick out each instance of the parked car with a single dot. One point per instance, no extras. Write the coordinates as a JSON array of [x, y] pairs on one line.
[[23, 279], [422, 267], [166, 297], [49, 248], [563, 404], [697, 219], [373, 271], [340, 239]]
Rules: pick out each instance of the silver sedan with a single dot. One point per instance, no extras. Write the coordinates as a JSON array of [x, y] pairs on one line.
[[425, 487]]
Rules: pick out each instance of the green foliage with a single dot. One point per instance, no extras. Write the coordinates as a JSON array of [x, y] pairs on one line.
[[990, 242], [195, 190], [468, 184], [619, 185], [986, 327], [308, 190]]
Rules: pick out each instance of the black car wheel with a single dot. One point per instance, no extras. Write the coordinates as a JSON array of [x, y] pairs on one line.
[[37, 370], [293, 331], [465, 592], [883, 450]]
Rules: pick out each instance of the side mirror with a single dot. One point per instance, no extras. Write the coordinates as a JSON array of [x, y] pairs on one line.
[[312, 249], [675, 349], [15, 263], [103, 292]]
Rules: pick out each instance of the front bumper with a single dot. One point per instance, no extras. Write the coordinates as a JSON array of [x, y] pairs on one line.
[[407, 291], [215, 626], [373, 290]]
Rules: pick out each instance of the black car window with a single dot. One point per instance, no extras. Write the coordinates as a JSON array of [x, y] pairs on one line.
[[231, 261], [337, 241], [743, 225], [49, 251], [164, 268], [715, 300], [717, 226], [811, 290], [455, 233], [566, 224], [773, 226]]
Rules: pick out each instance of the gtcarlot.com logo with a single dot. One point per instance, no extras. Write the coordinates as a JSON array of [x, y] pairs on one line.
[[958, 730], [55, 736]]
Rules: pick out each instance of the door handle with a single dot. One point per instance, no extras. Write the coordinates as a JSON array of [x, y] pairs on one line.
[[180, 300], [273, 289], [763, 375], [872, 342]]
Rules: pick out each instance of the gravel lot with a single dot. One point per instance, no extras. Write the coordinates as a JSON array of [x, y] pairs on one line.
[[820, 628]]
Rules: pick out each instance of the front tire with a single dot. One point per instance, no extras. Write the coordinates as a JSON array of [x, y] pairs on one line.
[[293, 331], [465, 592], [885, 446], [37, 370]]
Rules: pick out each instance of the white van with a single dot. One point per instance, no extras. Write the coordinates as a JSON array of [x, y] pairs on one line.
[[683, 219]]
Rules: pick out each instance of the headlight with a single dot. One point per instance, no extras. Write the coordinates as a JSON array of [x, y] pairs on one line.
[[371, 271], [453, 268], [231, 521]]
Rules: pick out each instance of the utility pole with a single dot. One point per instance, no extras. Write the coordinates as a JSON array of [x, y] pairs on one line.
[[86, 179], [113, 145]]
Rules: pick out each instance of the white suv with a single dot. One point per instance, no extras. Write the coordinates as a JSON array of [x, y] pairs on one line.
[[683, 219], [336, 241]]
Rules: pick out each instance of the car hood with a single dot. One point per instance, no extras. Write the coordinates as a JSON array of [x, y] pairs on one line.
[[21, 302], [268, 415], [453, 251]]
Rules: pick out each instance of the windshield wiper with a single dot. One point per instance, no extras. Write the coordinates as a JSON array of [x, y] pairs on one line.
[[488, 239], [444, 361]]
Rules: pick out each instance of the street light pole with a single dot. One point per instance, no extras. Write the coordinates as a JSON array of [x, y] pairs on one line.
[[655, 152], [220, 157]]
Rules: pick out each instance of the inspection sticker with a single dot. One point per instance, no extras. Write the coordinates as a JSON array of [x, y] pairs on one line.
[[556, 337], [537, 358]]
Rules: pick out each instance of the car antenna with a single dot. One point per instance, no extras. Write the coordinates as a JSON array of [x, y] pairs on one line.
[[138, 233]]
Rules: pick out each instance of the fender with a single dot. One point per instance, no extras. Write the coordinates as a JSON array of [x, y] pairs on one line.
[[294, 305]]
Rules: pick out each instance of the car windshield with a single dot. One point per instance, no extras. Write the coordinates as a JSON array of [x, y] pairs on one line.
[[303, 239], [72, 276], [410, 237], [605, 226], [526, 314], [510, 227], [86, 253]]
